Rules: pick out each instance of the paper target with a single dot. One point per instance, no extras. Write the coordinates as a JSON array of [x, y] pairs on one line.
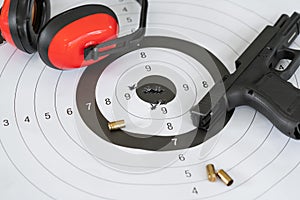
[[50, 147]]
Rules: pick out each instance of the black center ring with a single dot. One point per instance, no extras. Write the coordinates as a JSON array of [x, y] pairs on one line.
[[96, 122]]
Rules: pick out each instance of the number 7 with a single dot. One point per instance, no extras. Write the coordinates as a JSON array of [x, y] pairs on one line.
[[174, 140]]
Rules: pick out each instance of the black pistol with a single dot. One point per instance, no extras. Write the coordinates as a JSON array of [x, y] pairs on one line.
[[257, 83]]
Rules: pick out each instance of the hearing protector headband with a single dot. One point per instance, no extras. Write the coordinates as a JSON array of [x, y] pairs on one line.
[[94, 53]]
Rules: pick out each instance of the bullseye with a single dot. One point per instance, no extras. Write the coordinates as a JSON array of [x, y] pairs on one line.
[[156, 90]]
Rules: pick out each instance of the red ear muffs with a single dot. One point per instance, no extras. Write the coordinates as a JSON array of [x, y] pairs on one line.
[[62, 41], [22, 20]]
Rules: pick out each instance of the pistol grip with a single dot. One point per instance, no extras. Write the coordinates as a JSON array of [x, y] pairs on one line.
[[275, 98]]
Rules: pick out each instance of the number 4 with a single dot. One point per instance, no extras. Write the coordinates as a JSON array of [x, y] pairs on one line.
[[27, 119], [195, 191]]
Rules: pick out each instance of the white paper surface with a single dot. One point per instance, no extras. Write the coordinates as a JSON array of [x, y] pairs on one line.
[[47, 159]]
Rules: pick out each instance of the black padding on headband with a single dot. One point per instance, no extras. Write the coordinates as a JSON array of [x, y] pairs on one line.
[[26, 25]]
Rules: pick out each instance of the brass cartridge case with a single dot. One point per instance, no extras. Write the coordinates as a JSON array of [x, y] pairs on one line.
[[211, 173], [117, 125], [225, 177]]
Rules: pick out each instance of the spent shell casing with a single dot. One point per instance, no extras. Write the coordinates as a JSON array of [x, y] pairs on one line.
[[211, 173], [117, 125], [225, 177]]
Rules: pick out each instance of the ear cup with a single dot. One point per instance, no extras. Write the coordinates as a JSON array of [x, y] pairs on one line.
[[62, 41], [4, 22], [22, 20]]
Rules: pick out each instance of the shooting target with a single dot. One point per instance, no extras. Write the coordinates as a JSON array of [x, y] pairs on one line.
[[54, 139]]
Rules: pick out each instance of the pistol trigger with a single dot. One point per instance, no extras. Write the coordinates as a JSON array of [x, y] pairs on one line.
[[294, 56]]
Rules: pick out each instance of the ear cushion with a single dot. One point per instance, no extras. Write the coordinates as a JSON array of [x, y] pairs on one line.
[[62, 41], [15, 25]]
